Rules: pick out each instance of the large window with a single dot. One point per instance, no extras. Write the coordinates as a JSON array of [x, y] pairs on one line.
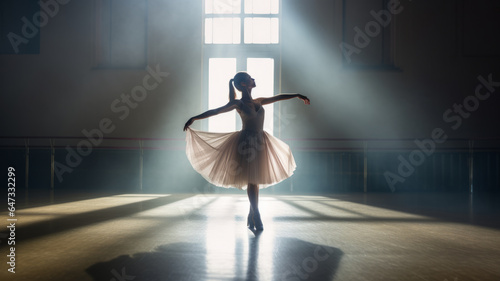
[[219, 70], [226, 21], [240, 35]]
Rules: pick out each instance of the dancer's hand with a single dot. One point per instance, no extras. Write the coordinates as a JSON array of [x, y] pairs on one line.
[[188, 123], [305, 99]]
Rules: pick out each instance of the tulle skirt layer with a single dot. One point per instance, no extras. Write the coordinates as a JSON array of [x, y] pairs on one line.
[[238, 158]]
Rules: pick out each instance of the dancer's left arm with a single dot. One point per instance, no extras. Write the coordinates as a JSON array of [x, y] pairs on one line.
[[276, 98], [228, 107]]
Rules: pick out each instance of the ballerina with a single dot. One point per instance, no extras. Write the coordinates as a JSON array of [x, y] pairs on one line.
[[244, 159]]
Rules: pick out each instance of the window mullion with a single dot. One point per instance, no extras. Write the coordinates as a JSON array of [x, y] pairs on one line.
[[242, 28]]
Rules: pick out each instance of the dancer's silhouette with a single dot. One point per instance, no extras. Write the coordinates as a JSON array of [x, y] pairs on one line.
[[246, 158]]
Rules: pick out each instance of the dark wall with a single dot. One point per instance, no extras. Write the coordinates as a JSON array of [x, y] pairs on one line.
[[438, 50], [60, 91]]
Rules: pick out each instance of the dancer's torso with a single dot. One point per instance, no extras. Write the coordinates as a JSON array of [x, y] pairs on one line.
[[252, 116]]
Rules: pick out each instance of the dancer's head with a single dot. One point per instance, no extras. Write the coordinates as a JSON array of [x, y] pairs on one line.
[[243, 82]]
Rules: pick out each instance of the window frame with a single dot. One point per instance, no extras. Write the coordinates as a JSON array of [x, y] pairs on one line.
[[242, 52]]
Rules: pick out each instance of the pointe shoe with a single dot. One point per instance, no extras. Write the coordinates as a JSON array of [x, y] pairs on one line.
[[250, 221], [258, 222]]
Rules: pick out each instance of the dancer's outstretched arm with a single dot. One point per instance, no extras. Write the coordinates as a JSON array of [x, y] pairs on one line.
[[228, 107], [276, 98]]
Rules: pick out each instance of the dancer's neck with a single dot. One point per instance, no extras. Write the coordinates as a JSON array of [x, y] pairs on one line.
[[247, 96]]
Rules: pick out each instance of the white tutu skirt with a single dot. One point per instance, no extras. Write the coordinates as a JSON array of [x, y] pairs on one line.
[[236, 159]]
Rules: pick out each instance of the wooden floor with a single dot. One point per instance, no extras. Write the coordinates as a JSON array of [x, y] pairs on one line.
[[204, 237]]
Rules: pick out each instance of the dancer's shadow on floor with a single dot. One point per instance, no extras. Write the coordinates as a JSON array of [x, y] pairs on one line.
[[291, 259]]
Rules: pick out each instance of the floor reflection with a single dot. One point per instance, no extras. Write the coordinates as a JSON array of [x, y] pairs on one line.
[[253, 253], [268, 258]]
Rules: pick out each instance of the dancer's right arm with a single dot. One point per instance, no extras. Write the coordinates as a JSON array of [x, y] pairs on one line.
[[228, 107]]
